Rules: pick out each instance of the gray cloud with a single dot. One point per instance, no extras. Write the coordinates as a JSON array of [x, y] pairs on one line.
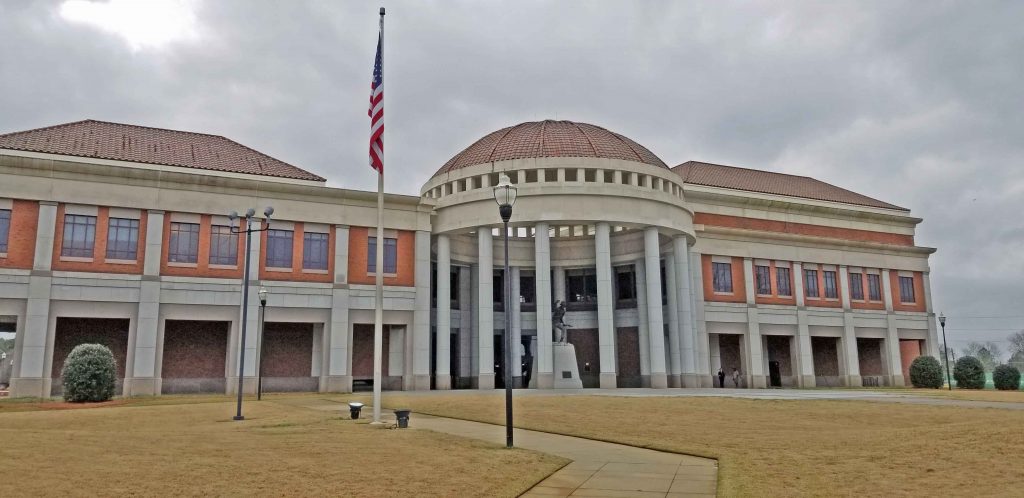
[[915, 104]]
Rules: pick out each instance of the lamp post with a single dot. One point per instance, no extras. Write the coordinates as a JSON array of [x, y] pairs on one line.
[[249, 214], [505, 196], [945, 352], [259, 344]]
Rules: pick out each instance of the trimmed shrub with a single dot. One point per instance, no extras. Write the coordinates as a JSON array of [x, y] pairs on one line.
[[969, 373], [1006, 378], [90, 374], [925, 371]]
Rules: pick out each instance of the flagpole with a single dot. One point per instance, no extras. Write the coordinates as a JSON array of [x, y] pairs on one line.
[[378, 312]]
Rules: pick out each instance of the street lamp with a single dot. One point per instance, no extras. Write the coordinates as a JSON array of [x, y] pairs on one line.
[[249, 214], [259, 345], [945, 352], [505, 196]]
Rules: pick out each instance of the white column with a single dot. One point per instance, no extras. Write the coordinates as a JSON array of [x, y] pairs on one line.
[[894, 360], [605, 306], [339, 370], [675, 355], [703, 346], [29, 377], [716, 360], [804, 351], [753, 343], [559, 284], [684, 308], [652, 261], [932, 346], [443, 328], [421, 314], [517, 328], [485, 305], [542, 276], [465, 370], [643, 327], [144, 379]]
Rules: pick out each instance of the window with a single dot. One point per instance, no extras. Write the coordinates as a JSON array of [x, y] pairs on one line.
[[581, 285], [122, 239], [907, 290], [390, 255], [223, 246], [874, 287], [498, 289], [811, 283], [625, 283], [664, 285], [79, 236], [314, 251], [764, 280], [183, 245], [453, 285], [527, 287], [5, 229], [856, 286], [721, 278], [279, 248], [830, 285], [784, 281]]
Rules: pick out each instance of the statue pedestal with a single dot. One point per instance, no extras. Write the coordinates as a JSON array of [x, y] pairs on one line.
[[565, 369]]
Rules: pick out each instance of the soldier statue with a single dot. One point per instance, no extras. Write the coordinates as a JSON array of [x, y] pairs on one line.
[[558, 320]]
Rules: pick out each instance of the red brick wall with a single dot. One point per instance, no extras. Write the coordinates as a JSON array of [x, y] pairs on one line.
[[110, 332], [918, 304], [866, 304], [778, 350], [21, 240], [869, 353], [821, 301], [774, 297], [627, 356], [729, 349], [288, 349], [362, 351], [802, 229], [909, 350], [202, 267], [195, 349], [297, 274], [587, 351], [826, 356], [99, 253], [357, 258], [739, 290]]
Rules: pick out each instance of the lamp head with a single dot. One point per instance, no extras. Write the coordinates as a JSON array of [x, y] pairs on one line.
[[269, 210], [233, 216], [942, 320], [249, 213], [263, 296], [505, 196]]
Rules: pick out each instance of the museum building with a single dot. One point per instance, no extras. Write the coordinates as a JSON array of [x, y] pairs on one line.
[[120, 234]]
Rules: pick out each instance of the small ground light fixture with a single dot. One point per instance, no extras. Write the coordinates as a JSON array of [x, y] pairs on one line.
[[353, 409]]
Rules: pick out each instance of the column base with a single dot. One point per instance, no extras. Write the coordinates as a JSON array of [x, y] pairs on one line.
[[645, 381], [853, 381], [421, 382], [29, 387], [142, 386], [675, 381], [807, 381], [517, 383], [690, 380], [757, 382], [609, 381], [545, 380], [442, 382], [336, 384], [659, 381], [485, 381], [895, 380], [248, 385]]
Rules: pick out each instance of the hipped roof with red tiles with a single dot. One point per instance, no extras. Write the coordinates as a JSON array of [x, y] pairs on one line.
[[141, 144], [551, 139], [767, 182]]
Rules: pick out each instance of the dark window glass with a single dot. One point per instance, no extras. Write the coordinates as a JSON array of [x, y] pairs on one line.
[[784, 281], [223, 246], [79, 236], [528, 287], [625, 283], [390, 255], [453, 284], [721, 277], [764, 279], [874, 287], [664, 285], [811, 283], [122, 239], [183, 245], [5, 228], [907, 290], [830, 285], [279, 248], [581, 285], [498, 289], [856, 286], [314, 251]]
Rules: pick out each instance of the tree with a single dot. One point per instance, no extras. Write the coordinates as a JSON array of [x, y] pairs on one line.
[[1016, 340], [1017, 361], [1006, 378], [925, 371], [988, 353], [969, 373]]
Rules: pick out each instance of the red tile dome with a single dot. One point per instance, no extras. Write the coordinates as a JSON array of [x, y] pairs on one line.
[[551, 139]]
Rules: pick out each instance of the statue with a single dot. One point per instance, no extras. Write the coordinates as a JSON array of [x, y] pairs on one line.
[[558, 321]]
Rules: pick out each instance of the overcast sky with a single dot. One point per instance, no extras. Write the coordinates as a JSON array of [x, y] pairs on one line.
[[918, 103]]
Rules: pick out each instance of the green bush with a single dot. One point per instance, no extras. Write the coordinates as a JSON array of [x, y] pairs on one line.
[[969, 373], [925, 371], [1006, 378], [90, 374]]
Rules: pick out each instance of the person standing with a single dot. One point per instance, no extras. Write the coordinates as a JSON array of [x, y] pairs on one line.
[[736, 377], [721, 378]]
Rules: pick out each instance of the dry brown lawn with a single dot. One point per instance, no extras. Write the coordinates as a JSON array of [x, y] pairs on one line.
[[787, 448], [970, 394], [171, 447]]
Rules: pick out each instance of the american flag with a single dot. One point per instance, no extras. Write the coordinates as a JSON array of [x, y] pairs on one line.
[[376, 111]]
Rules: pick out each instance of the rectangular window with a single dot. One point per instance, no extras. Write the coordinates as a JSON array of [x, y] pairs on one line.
[[527, 288], [279, 248], [856, 286], [79, 236], [721, 277], [764, 280], [183, 244], [581, 285], [223, 246], [5, 229], [453, 285], [390, 255], [811, 283], [830, 285], [122, 239], [625, 283], [498, 289], [907, 290], [784, 281], [874, 287], [314, 251]]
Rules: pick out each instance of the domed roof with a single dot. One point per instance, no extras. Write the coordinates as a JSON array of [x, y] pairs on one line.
[[551, 139]]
